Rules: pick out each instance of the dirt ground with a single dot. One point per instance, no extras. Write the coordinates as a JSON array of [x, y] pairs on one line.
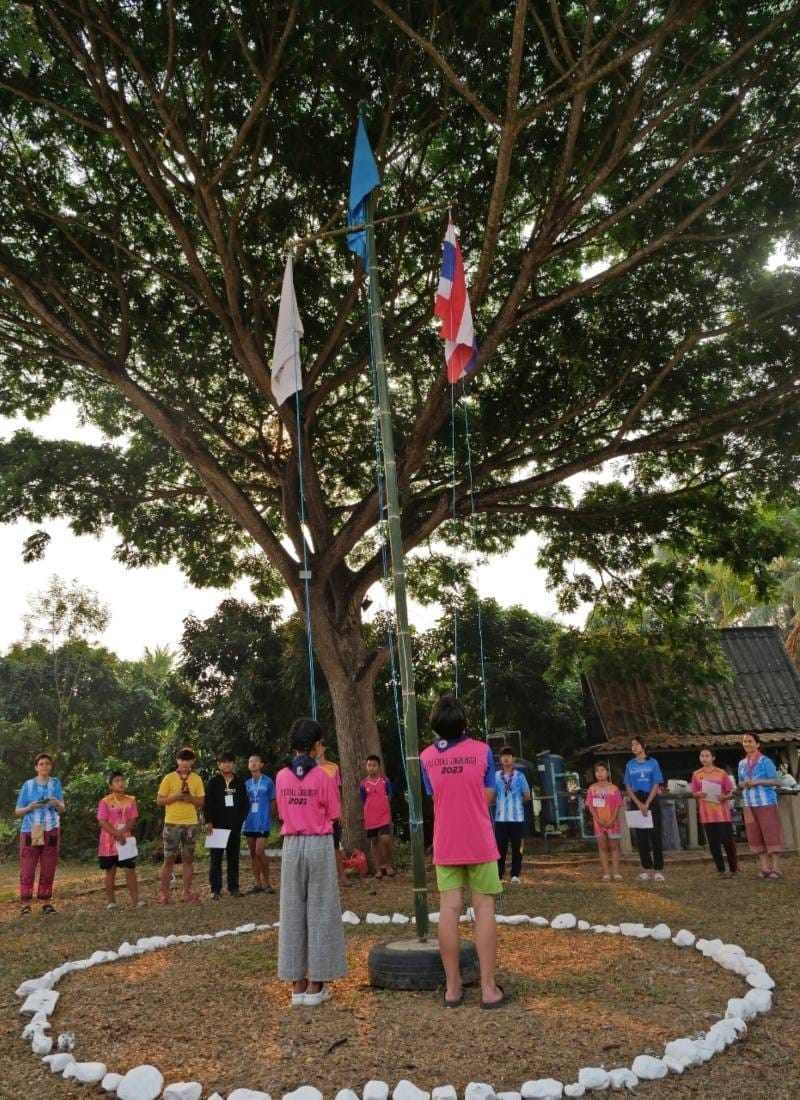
[[216, 1013]]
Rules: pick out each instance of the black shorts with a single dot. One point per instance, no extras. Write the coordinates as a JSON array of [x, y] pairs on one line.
[[382, 830], [337, 835], [107, 863], [255, 834]]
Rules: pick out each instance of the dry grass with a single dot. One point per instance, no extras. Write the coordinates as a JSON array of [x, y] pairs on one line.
[[217, 1014]]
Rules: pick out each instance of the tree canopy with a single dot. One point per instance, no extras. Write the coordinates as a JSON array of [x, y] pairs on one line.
[[621, 174]]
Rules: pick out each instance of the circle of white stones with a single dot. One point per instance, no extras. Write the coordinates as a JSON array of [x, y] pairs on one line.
[[40, 999]]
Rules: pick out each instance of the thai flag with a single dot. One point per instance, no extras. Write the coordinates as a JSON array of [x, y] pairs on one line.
[[452, 306]]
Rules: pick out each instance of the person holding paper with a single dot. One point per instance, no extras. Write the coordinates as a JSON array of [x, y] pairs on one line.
[[311, 948], [758, 780], [604, 803], [226, 807], [182, 794], [116, 813], [40, 803], [643, 778], [713, 789]]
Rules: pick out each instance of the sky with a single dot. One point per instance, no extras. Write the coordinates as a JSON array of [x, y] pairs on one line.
[[148, 605]]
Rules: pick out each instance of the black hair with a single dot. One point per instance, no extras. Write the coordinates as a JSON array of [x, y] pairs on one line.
[[506, 751], [448, 718], [225, 757], [753, 734], [304, 734], [42, 756], [603, 764], [372, 756], [258, 753], [115, 774], [185, 754], [707, 748], [640, 741]]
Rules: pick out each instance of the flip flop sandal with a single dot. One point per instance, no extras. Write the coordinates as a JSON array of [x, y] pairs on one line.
[[454, 1004], [25, 910], [48, 909], [773, 875], [489, 1005]]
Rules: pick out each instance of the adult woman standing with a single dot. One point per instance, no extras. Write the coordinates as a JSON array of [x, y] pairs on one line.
[[713, 789], [758, 780], [643, 777]]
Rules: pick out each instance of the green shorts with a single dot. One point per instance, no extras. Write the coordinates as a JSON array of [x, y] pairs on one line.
[[482, 878]]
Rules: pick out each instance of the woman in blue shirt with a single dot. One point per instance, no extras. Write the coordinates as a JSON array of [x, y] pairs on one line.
[[643, 778], [257, 824], [40, 804]]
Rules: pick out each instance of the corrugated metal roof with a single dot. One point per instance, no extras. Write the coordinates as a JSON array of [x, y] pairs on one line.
[[676, 742], [763, 696]]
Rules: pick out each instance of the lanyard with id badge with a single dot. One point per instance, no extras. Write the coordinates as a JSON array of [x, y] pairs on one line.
[[254, 797], [228, 797]]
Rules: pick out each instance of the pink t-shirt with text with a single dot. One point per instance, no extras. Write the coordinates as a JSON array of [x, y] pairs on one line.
[[114, 812], [458, 774], [603, 803], [307, 805], [375, 795]]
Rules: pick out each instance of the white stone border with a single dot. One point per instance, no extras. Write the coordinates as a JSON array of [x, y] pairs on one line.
[[147, 1083]]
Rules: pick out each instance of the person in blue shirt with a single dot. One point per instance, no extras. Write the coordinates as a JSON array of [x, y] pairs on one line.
[[643, 778], [40, 804], [261, 804], [511, 794]]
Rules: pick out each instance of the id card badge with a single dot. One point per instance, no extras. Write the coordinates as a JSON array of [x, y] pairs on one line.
[[229, 800], [253, 807]]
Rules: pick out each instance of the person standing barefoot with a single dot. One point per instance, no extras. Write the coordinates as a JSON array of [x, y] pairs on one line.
[[258, 823], [604, 803]]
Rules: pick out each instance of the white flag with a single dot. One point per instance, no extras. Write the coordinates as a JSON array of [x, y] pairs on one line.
[[287, 376]]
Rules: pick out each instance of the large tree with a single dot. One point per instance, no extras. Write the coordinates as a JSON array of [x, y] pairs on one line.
[[621, 171]]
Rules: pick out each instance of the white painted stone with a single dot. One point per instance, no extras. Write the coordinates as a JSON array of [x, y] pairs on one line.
[[632, 928], [685, 1049], [564, 921], [403, 1090], [540, 922], [760, 981], [58, 1062], [519, 918], [375, 1090], [509, 1096], [648, 1068], [224, 932], [709, 948], [348, 1094], [30, 985], [594, 1078], [38, 1022], [41, 1044], [613, 929], [583, 926], [244, 929], [305, 1092], [759, 999], [41, 1000], [86, 1073], [215, 1096], [545, 1088], [126, 950], [707, 1050], [400, 918], [750, 966], [661, 932], [247, 1094], [576, 1089], [378, 918], [738, 1023], [262, 927], [141, 1083], [66, 1041], [739, 1008], [673, 1064], [623, 1078], [722, 1033], [110, 1082], [441, 1092], [598, 929], [185, 1090], [479, 1090]]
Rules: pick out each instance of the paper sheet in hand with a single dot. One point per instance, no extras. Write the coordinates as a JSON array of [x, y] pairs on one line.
[[637, 820], [712, 790], [127, 849], [218, 838]]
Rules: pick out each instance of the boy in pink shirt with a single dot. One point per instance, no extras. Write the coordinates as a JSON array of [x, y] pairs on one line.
[[311, 947], [116, 814], [376, 791], [458, 771]]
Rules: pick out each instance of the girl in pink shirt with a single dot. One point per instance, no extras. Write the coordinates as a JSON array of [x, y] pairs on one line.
[[311, 947], [116, 814], [604, 803]]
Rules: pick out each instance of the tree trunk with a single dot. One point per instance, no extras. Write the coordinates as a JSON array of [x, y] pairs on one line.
[[350, 674]]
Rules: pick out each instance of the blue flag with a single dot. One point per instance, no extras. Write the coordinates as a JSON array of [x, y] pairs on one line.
[[363, 180]]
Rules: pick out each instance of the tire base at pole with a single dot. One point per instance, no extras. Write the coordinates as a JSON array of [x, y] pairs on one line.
[[413, 965]]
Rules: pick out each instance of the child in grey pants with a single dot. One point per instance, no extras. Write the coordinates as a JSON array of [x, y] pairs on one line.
[[311, 948]]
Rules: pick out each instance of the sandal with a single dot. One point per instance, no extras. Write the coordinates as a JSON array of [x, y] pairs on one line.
[[25, 910], [773, 875], [496, 1004], [48, 909], [454, 1004], [162, 899]]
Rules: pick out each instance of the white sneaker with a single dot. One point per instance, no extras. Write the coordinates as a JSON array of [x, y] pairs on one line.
[[314, 999], [658, 877], [644, 876], [111, 905], [515, 880], [606, 878], [298, 1000]]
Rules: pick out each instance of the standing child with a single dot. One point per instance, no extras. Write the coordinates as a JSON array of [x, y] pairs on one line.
[[311, 947], [181, 793], [226, 807], [40, 803], [604, 803], [376, 791], [116, 813], [511, 793], [713, 789], [257, 824], [333, 770], [458, 771]]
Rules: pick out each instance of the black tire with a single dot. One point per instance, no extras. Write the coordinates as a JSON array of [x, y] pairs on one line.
[[390, 968]]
